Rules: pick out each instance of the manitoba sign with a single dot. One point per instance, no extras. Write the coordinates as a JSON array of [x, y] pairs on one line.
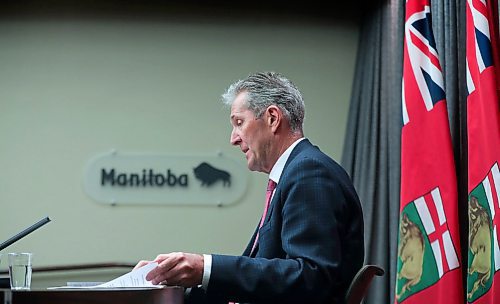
[[139, 179]]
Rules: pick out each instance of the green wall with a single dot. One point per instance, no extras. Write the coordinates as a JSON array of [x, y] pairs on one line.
[[72, 89]]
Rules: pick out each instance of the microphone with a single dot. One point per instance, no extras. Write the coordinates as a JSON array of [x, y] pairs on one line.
[[24, 233]]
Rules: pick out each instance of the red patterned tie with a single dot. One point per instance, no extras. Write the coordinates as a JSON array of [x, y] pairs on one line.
[[271, 185]]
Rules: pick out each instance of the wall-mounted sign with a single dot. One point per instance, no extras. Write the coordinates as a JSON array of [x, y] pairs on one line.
[[126, 178]]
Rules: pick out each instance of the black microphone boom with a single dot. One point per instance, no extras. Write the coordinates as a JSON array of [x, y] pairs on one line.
[[24, 233]]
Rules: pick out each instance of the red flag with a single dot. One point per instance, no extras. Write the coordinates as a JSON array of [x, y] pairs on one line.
[[429, 262], [483, 132]]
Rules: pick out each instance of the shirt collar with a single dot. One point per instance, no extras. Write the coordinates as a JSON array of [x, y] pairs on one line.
[[278, 167]]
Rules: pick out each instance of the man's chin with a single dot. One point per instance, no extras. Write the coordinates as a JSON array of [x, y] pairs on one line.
[[251, 165]]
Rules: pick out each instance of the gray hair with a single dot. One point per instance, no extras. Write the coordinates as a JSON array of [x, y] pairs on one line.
[[269, 88]]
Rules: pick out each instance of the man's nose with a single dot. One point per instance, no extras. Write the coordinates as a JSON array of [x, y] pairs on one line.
[[235, 138]]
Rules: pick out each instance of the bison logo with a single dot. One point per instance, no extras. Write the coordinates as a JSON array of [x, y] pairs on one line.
[[479, 244], [209, 175], [411, 252]]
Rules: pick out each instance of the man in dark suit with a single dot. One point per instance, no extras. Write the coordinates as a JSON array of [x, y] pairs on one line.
[[309, 244]]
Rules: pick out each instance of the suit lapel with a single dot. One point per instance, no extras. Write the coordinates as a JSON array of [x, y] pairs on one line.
[[304, 144], [248, 250]]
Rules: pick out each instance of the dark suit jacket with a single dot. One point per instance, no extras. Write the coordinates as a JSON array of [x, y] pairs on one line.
[[310, 245]]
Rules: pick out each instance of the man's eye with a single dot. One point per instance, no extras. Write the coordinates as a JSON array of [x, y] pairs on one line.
[[239, 122]]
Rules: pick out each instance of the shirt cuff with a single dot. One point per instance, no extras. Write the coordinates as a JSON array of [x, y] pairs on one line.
[[207, 269]]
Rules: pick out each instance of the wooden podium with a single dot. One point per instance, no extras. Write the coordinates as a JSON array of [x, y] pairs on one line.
[[167, 295]]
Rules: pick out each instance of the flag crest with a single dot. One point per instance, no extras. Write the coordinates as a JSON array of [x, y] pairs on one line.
[[424, 239]]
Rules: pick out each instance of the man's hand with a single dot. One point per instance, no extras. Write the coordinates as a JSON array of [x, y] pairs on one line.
[[177, 268]]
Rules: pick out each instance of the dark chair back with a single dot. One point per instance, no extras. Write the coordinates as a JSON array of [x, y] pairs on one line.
[[360, 283]]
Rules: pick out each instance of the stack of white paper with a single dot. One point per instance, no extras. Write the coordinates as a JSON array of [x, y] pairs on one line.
[[134, 279]]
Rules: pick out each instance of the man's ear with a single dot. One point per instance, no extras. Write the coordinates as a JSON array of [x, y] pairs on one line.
[[274, 116]]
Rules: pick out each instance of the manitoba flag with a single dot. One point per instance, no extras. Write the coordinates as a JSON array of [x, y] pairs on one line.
[[483, 136], [429, 262]]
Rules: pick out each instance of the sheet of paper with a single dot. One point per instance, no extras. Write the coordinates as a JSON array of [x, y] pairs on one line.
[[134, 279]]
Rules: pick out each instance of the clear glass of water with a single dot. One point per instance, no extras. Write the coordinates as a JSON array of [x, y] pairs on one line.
[[20, 270]]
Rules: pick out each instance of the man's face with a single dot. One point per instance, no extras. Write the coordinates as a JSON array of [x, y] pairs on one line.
[[252, 134]]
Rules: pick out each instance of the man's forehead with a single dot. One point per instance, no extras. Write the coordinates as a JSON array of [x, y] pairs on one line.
[[235, 113], [239, 106]]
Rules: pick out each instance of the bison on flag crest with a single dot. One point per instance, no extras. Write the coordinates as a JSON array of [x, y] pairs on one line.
[[429, 261]]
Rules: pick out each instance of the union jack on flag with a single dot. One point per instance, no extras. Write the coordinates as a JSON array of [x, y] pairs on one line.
[[429, 261], [482, 57], [424, 61]]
